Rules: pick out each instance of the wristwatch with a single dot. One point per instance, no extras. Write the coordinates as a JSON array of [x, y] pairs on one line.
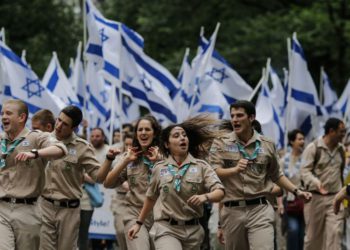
[[35, 152]]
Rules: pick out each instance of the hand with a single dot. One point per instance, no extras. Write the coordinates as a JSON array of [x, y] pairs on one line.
[[132, 153], [241, 165], [113, 152], [321, 188], [152, 153], [85, 123], [133, 231], [220, 236], [306, 196], [341, 195], [24, 156], [125, 185], [196, 200], [280, 209]]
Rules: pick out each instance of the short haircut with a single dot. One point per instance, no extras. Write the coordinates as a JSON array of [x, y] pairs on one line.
[[22, 106], [246, 105], [128, 135], [332, 123], [292, 135], [129, 126], [44, 116], [101, 130], [74, 113]]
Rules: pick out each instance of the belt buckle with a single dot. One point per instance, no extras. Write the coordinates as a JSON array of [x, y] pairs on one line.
[[13, 200], [242, 203]]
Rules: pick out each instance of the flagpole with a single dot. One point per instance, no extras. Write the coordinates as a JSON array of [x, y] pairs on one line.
[[321, 85], [182, 87], [265, 74], [85, 113], [290, 63], [4, 36]]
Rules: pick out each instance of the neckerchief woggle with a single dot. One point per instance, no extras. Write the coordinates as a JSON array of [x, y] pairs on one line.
[[150, 166], [178, 175], [246, 155], [5, 152]]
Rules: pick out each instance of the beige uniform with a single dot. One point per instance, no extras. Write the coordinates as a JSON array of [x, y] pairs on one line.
[[137, 175], [247, 226], [60, 206], [21, 183], [323, 227], [172, 208]]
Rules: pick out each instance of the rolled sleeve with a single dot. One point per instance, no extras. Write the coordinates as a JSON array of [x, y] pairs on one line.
[[215, 158], [211, 180], [89, 162], [275, 168], [153, 189]]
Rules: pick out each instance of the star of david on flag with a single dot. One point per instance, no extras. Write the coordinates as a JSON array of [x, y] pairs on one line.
[[33, 87], [103, 36], [218, 74]]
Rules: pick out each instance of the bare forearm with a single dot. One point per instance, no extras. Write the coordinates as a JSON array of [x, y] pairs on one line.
[[285, 183], [225, 172], [103, 171], [52, 152], [146, 209], [216, 196], [113, 175]]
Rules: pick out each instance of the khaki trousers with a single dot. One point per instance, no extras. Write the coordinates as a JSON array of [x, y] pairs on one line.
[[118, 220], [143, 240], [60, 227], [249, 227], [323, 228], [19, 226], [168, 237]]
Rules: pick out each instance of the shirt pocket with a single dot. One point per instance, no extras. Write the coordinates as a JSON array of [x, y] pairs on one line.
[[258, 168], [166, 186], [70, 163], [193, 184], [134, 174], [231, 160]]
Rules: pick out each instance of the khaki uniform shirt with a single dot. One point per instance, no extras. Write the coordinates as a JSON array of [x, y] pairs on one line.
[[26, 179], [64, 177], [258, 178], [327, 169], [199, 178], [137, 175]]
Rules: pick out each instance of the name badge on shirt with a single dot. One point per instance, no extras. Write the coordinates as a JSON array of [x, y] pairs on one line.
[[193, 170], [72, 151], [25, 143], [261, 151], [232, 148], [164, 172]]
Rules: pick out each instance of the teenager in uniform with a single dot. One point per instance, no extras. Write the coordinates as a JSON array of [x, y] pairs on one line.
[[247, 164], [24, 155], [60, 204], [322, 166], [136, 167], [43, 120], [180, 185]]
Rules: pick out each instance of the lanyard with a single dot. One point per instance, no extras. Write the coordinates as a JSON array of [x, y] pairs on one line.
[[246, 155], [6, 151], [178, 175], [150, 166]]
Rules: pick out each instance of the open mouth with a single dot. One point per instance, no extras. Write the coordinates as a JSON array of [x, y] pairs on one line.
[[236, 126], [5, 124]]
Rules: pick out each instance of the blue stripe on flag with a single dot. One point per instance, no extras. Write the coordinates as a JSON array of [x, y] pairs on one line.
[[31, 108], [13, 57], [87, 7], [132, 35], [150, 70], [298, 49], [306, 125], [212, 109], [229, 99], [110, 24], [7, 91], [98, 106], [343, 108], [111, 69], [94, 49], [156, 107], [302, 96], [53, 81], [280, 130]]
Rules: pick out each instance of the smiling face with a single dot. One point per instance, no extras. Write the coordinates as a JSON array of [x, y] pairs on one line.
[[298, 143], [12, 121], [178, 142], [144, 134], [241, 122]]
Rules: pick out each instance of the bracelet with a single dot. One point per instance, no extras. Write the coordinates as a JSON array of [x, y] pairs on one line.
[[138, 222], [295, 192], [207, 197], [110, 158]]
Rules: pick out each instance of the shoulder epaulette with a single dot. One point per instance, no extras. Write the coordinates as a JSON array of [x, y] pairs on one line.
[[81, 140], [267, 139]]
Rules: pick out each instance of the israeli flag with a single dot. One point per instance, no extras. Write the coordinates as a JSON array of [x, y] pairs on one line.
[[267, 114], [77, 78], [20, 82], [343, 102], [330, 97], [56, 81]]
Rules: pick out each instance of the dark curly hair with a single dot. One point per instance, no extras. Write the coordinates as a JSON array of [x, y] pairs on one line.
[[156, 131]]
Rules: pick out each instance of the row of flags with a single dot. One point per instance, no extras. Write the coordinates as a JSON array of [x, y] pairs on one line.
[[118, 77]]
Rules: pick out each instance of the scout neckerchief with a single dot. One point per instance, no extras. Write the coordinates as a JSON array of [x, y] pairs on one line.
[[178, 175], [150, 166], [6, 151], [246, 155], [295, 169]]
